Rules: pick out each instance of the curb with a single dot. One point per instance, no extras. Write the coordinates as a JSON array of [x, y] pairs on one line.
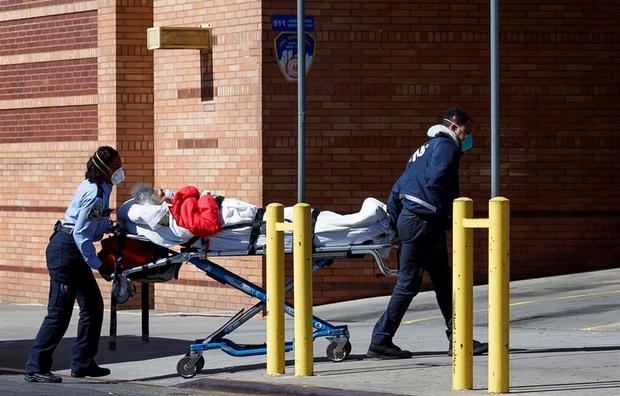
[[262, 388]]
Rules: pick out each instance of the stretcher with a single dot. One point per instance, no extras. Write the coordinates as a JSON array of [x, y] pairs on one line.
[[167, 261], [339, 346]]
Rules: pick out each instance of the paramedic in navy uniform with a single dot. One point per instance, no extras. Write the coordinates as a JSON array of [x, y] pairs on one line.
[[420, 208], [71, 257]]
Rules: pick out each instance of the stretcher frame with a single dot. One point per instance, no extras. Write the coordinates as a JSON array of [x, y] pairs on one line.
[[339, 346]]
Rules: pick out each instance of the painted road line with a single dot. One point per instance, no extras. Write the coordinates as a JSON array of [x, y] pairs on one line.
[[527, 302], [603, 327]]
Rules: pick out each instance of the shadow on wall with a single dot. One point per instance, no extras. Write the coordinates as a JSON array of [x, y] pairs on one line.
[[206, 76]]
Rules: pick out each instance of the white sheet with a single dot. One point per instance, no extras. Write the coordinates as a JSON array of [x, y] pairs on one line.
[[368, 226], [143, 219]]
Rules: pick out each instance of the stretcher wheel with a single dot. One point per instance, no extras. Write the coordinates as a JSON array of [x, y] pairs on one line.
[[187, 368], [338, 355]]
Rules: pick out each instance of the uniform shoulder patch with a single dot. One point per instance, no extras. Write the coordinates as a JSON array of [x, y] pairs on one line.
[[95, 212]]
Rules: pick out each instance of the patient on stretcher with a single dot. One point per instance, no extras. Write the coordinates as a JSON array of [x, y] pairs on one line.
[[239, 225], [186, 212]]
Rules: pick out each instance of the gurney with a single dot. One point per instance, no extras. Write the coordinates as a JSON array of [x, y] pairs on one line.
[[373, 241]]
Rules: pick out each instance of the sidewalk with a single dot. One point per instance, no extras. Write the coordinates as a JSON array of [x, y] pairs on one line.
[[565, 339]]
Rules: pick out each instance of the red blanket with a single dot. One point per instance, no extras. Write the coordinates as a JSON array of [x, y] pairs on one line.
[[200, 215]]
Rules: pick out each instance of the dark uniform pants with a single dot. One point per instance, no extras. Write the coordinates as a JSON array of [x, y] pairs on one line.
[[423, 248], [62, 252]]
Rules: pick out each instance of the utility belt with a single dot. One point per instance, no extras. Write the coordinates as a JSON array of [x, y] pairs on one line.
[[59, 227]]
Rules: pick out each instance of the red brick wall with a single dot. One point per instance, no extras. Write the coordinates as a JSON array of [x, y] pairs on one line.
[[134, 93], [48, 124], [384, 71], [208, 130], [50, 33], [12, 5], [48, 127], [133, 83], [38, 80]]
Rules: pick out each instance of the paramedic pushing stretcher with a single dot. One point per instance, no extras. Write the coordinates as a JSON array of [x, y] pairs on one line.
[[71, 257], [420, 209]]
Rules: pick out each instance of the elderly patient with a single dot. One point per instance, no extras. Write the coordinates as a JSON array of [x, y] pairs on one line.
[[166, 219], [186, 212]]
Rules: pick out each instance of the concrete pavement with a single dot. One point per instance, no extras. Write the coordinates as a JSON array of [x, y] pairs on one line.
[[565, 339]]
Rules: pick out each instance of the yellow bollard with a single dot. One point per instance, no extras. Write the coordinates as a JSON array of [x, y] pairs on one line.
[[274, 286], [499, 296], [462, 300], [302, 278]]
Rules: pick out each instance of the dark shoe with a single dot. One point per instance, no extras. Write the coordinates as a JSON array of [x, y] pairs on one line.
[[478, 348], [92, 371], [387, 351], [48, 378]]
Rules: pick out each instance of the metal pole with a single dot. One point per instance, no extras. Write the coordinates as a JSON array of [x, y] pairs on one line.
[[301, 101], [275, 290], [494, 98], [462, 291], [145, 312], [499, 295], [112, 338], [302, 289]]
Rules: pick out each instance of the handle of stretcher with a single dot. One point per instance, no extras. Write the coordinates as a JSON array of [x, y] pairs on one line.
[[352, 251]]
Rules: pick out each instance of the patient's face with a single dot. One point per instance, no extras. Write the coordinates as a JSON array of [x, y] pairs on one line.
[[157, 196]]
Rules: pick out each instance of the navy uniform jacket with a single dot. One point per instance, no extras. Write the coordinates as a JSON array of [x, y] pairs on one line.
[[89, 215], [430, 182]]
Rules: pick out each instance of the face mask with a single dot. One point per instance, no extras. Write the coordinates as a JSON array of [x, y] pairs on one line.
[[118, 176], [467, 143]]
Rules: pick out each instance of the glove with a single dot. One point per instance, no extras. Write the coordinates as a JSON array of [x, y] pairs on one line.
[[105, 273], [219, 199], [168, 194], [113, 227]]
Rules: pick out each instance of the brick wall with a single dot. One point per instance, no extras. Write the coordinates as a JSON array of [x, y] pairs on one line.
[[208, 129], [80, 74], [384, 71], [12, 5], [48, 97], [48, 33], [48, 124], [45, 79], [134, 93]]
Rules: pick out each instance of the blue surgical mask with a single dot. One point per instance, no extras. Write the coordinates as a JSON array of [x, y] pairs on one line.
[[118, 176], [467, 143]]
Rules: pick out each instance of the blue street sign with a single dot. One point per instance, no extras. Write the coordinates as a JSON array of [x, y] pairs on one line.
[[288, 23]]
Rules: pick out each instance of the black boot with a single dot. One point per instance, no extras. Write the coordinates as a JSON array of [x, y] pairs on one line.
[[387, 351], [91, 371], [478, 348]]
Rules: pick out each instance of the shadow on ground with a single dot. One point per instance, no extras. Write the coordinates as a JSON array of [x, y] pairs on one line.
[[13, 354]]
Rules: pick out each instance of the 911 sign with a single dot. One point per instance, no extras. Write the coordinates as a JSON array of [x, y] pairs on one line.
[[288, 23]]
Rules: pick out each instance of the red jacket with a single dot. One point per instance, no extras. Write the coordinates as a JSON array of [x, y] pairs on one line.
[[200, 215]]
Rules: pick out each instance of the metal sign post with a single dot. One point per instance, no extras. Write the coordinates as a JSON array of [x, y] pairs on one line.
[[301, 102]]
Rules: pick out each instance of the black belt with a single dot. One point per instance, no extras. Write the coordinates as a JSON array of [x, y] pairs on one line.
[[59, 227]]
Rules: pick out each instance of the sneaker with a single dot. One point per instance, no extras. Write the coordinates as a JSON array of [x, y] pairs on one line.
[[91, 371], [42, 377], [478, 348], [387, 351]]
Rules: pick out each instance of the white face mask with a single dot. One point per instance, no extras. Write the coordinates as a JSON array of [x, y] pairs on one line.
[[118, 176]]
